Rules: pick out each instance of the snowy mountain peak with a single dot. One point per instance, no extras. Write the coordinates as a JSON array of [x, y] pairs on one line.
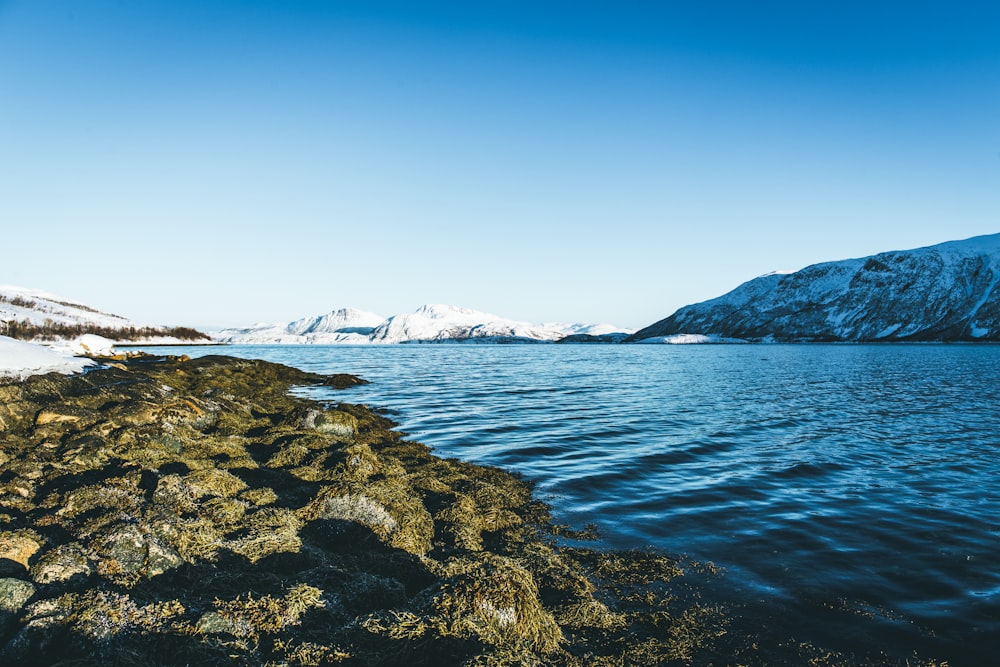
[[444, 311], [438, 322], [344, 325], [949, 291], [344, 320]]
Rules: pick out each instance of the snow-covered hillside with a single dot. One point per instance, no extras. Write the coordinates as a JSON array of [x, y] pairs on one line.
[[945, 292], [35, 306], [31, 313], [428, 324]]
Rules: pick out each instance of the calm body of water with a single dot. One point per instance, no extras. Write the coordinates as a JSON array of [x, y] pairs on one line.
[[852, 492]]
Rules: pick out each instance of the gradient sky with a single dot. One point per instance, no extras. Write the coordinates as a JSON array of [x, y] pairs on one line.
[[221, 163]]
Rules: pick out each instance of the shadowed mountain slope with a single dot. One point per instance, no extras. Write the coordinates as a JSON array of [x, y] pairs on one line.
[[945, 292]]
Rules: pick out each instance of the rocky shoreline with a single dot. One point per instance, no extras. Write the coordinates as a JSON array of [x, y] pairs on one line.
[[161, 510]]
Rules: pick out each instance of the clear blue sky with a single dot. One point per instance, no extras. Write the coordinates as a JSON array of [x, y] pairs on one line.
[[216, 163]]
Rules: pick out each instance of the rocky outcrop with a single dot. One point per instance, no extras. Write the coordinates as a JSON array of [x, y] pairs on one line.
[[175, 511], [946, 292]]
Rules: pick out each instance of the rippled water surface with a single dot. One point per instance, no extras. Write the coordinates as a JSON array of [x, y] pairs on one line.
[[851, 492]]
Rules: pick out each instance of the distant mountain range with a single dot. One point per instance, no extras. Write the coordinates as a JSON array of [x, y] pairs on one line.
[[347, 325], [945, 292], [428, 324]]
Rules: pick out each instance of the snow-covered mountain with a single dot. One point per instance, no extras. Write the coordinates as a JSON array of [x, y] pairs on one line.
[[945, 292], [347, 325], [433, 323], [436, 323]]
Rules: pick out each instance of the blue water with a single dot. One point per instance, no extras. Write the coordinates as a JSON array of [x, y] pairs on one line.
[[851, 492]]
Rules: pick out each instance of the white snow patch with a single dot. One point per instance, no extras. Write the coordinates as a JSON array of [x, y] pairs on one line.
[[889, 330], [20, 359], [600, 329], [977, 331], [91, 344]]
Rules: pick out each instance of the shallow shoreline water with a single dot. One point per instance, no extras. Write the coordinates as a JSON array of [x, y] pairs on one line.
[[846, 489]]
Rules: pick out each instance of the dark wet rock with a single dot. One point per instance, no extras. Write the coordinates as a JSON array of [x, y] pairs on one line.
[[40, 632]]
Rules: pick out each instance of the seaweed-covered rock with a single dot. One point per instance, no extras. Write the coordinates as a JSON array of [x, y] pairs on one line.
[[388, 508], [126, 553], [332, 422], [494, 600]]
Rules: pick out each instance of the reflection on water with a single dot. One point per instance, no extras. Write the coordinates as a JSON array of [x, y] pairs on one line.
[[851, 491]]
